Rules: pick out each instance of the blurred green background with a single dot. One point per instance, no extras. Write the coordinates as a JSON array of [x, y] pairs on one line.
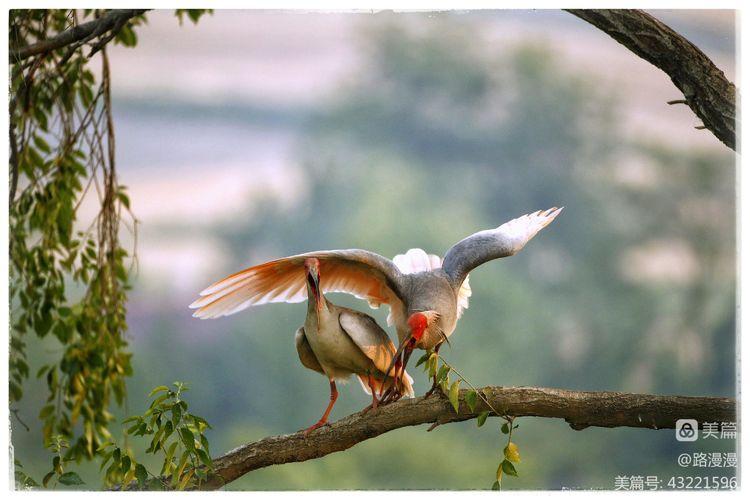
[[253, 136]]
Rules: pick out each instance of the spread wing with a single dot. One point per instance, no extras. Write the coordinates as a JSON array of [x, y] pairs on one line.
[[490, 244], [364, 274]]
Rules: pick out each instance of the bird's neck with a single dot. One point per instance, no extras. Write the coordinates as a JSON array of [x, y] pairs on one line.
[[316, 305]]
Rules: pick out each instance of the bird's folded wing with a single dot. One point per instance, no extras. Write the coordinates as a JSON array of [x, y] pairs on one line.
[[363, 274], [305, 352], [369, 337], [490, 244], [374, 343]]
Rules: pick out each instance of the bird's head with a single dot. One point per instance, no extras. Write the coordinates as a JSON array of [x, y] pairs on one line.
[[421, 323], [312, 269]]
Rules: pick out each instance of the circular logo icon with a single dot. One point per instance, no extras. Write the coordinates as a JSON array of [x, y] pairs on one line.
[[686, 429]]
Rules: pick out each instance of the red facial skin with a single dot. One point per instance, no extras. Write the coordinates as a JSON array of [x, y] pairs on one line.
[[418, 324]]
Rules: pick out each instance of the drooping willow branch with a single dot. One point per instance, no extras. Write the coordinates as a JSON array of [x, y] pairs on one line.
[[578, 409], [707, 90], [112, 20], [62, 151]]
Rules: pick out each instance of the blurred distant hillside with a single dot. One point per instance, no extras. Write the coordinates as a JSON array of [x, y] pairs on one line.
[[258, 135]]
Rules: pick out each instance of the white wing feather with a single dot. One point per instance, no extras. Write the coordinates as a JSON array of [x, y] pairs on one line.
[[416, 260], [520, 230]]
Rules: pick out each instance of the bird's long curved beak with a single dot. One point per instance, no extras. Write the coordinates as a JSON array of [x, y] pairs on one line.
[[312, 280], [397, 356]]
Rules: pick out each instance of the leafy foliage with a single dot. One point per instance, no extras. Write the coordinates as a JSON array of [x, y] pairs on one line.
[[68, 276], [67, 280], [23, 480], [176, 435], [57, 445], [193, 14], [441, 379]]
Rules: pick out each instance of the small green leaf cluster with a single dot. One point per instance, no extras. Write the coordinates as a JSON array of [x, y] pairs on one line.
[[175, 434], [23, 480], [193, 14], [58, 475], [511, 454], [439, 370]]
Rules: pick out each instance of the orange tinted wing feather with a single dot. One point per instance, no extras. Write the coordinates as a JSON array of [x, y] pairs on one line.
[[363, 274]]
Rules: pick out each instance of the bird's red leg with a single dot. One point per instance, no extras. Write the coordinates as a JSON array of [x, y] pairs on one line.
[[393, 388], [396, 394], [374, 404], [434, 377], [324, 419]]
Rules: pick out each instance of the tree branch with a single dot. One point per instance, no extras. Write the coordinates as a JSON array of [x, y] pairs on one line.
[[579, 409], [82, 32], [707, 91]]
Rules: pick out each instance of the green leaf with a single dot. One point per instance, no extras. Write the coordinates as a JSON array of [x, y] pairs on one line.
[[105, 459], [496, 486], [505, 429], [432, 363], [46, 411], [481, 418], [124, 199], [70, 479], [423, 359], [471, 399], [442, 374], [511, 453], [168, 429], [453, 394], [176, 415], [104, 446], [156, 390], [166, 467], [125, 463], [187, 438], [205, 458], [509, 468], [141, 474], [180, 467], [42, 144], [47, 477]]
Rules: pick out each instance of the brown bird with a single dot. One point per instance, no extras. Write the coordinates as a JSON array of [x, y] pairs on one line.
[[424, 305], [338, 342]]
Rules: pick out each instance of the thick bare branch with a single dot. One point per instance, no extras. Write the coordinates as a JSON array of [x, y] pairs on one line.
[[113, 19], [707, 91], [579, 409]]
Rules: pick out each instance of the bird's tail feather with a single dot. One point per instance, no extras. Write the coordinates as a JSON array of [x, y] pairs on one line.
[[382, 385]]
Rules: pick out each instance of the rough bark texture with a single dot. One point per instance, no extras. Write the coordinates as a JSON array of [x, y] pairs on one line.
[[114, 19], [707, 91], [579, 409]]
